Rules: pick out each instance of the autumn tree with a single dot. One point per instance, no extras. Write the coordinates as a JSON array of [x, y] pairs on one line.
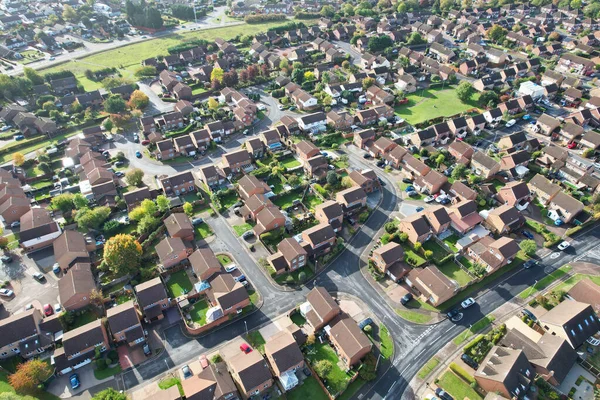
[[97, 298], [213, 104], [29, 375], [162, 202], [367, 83], [18, 159], [109, 394], [134, 177], [122, 254], [138, 100], [216, 75]]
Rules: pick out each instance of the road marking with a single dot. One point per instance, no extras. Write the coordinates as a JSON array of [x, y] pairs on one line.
[[449, 329], [555, 255], [420, 353], [392, 387]]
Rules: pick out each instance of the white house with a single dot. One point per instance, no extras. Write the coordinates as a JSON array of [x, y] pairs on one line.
[[315, 122], [530, 88]]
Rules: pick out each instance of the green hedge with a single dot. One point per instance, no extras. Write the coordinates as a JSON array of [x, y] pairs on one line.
[[458, 370], [16, 146]]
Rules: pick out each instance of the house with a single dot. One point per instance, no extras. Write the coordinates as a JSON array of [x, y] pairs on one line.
[[516, 159], [212, 176], [389, 260], [379, 96], [464, 217], [285, 358], [14, 208], [504, 219], [316, 167], [227, 294], [37, 230], [178, 184], [179, 226], [320, 308], [505, 371], [430, 183], [571, 320], [571, 131], [70, 248], [201, 139], [332, 213], [493, 254], [575, 64], [152, 299], [237, 161], [75, 287], [289, 257], [590, 140], [271, 139], [171, 251], [251, 373], [366, 117], [515, 194], [22, 334], [547, 125], [204, 263], [340, 120], [543, 189], [79, 346], [314, 123], [165, 150], [250, 185], [458, 127], [134, 198], [321, 239], [432, 284], [395, 157], [565, 206], [416, 227], [414, 168], [353, 199], [423, 137], [366, 179], [586, 291], [124, 323], [438, 219], [493, 116], [304, 100], [349, 341], [211, 382], [381, 147], [268, 219], [552, 157], [406, 83], [306, 150], [184, 145]]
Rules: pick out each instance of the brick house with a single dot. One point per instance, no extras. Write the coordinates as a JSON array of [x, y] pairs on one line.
[[124, 323], [75, 287]]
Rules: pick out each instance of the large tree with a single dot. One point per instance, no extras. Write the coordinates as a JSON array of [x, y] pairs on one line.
[[92, 218], [134, 177], [63, 202], [464, 91], [496, 33], [29, 375], [122, 254], [109, 394], [115, 104]]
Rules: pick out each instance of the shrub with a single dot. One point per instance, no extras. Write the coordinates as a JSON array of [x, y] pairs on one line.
[[458, 370], [323, 368], [216, 359], [101, 364], [113, 356]]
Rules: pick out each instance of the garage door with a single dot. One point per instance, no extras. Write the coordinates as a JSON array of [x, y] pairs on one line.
[[66, 371], [83, 363]]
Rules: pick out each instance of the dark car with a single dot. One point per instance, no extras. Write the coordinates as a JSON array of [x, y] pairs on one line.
[[529, 264], [469, 361], [452, 313], [74, 381], [365, 322], [380, 163], [6, 259], [407, 180], [366, 155], [529, 314], [406, 299], [442, 394], [527, 234]]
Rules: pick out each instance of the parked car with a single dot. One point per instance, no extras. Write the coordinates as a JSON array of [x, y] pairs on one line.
[[530, 263], [571, 145], [409, 188], [48, 310], [74, 381], [413, 194], [564, 245], [119, 174], [245, 348], [119, 164], [197, 221], [442, 394], [511, 123], [147, 350], [406, 299], [527, 234], [429, 199], [467, 303], [365, 322], [452, 313], [56, 268], [15, 224], [6, 259], [6, 292], [469, 361], [230, 268], [19, 137], [187, 372], [367, 155], [445, 201], [380, 163], [407, 180], [145, 142], [39, 277], [247, 235], [307, 372], [57, 308], [528, 314], [419, 209], [138, 154]]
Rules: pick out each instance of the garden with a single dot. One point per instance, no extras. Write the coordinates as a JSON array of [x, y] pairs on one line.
[[198, 312], [308, 389], [202, 231], [455, 272], [433, 103], [179, 284], [336, 379], [457, 387]]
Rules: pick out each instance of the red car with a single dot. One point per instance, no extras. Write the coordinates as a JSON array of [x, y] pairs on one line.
[[203, 361], [245, 348], [572, 145], [403, 101], [145, 142], [48, 310]]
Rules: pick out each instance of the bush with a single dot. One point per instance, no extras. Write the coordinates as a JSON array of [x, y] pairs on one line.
[[101, 364], [323, 367], [259, 19], [113, 356], [458, 370]]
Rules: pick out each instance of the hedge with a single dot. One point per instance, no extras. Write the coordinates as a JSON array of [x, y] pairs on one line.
[[259, 19], [458, 370], [16, 146], [467, 349]]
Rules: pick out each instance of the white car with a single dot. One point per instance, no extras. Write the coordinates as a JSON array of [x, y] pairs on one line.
[[6, 292], [429, 199], [441, 198], [511, 123], [57, 308], [230, 268], [564, 245], [467, 303]]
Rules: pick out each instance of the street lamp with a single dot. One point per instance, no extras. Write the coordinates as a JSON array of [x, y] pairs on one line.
[[532, 288], [246, 325]]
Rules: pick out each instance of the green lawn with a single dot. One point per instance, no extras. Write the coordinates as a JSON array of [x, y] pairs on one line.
[[83, 319], [352, 389], [414, 316], [40, 145], [477, 326], [337, 379], [427, 104], [311, 201], [256, 340], [387, 344], [545, 282], [453, 271], [240, 229], [224, 259], [438, 251], [228, 200], [451, 242], [179, 284], [107, 372], [458, 388], [203, 231], [275, 181], [293, 277], [198, 312], [571, 281], [410, 253], [428, 367], [287, 200], [290, 162], [168, 382], [309, 389], [298, 319], [198, 90]]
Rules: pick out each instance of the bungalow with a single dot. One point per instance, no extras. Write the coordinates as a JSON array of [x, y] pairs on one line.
[[571, 320], [505, 371]]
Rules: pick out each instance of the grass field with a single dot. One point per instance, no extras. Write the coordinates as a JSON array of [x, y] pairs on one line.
[[127, 58], [545, 282], [198, 312], [453, 271], [428, 367], [458, 388], [414, 316], [337, 379], [179, 284], [432, 103], [240, 229], [202, 231], [224, 260], [571, 281], [309, 389], [168, 382], [387, 344], [256, 340], [107, 372], [290, 162]]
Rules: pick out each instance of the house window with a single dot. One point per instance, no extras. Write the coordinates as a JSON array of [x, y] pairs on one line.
[[572, 332], [191, 188], [164, 305], [122, 337], [266, 385]]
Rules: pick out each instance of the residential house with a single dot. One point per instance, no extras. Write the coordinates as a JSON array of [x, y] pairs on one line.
[[79, 346], [349, 341], [438, 219], [416, 227], [320, 308], [366, 179], [165, 150], [505, 371], [124, 323], [565, 206], [547, 125], [543, 189], [306, 150], [211, 382], [178, 184], [586, 291], [381, 147], [251, 373], [237, 161], [70, 248], [289, 257], [353, 199], [21, 334], [171, 252], [321, 239], [430, 183], [250, 185], [37, 230], [152, 299], [179, 226], [414, 168], [515, 194], [285, 358], [571, 320], [268, 219], [75, 287], [464, 217], [332, 213], [212, 176], [314, 123], [316, 167], [432, 284], [204, 263], [516, 159], [504, 219], [493, 254]]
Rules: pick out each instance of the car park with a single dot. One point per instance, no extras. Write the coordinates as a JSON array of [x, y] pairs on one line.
[[6, 292], [469, 361], [467, 303], [406, 299]]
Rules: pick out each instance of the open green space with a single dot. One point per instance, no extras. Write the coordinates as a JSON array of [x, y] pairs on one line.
[[256, 340], [224, 259], [571, 281], [290, 162], [545, 282], [172, 381], [455, 272], [240, 229], [386, 342], [198, 312], [337, 379], [457, 388], [309, 389], [107, 372], [476, 327], [428, 367], [428, 104], [179, 284], [203, 231], [438, 251], [414, 316]]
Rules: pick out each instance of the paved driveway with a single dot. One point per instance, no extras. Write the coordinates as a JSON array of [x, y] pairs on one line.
[[61, 386]]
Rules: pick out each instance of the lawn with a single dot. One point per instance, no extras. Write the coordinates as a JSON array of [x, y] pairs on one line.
[[256, 340], [298, 319], [545, 282], [40, 145], [571, 281], [309, 389], [275, 181], [168, 382], [476, 327], [203, 231], [179, 284], [240, 229], [224, 259], [458, 388], [451, 242], [107, 372], [428, 367], [387, 344], [290, 162], [433, 103], [414, 316], [228, 200], [293, 277], [337, 379], [352, 389], [453, 271], [287, 200], [83, 319], [410, 253], [438, 251], [497, 185], [198, 312], [311, 201]]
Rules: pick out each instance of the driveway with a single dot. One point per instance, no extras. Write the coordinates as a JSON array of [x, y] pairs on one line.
[[156, 106], [347, 48], [61, 386]]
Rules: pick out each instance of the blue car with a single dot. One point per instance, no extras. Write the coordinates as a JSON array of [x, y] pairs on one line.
[[419, 209], [445, 201], [527, 234], [138, 154], [19, 137], [558, 222], [409, 188], [74, 380]]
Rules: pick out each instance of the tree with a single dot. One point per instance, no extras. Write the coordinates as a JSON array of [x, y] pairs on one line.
[[464, 91], [122, 254], [367, 83], [332, 178], [298, 75], [92, 218], [348, 9], [108, 125], [216, 74], [149, 207], [145, 71], [97, 298], [323, 368], [496, 33], [62, 202], [378, 43], [134, 177], [309, 76], [439, 160], [18, 159], [114, 104], [138, 100], [188, 208], [69, 13], [147, 224], [368, 370], [33, 76], [528, 246], [284, 63], [415, 38], [109, 394], [79, 201], [45, 168], [459, 171], [488, 98], [162, 202], [29, 375], [446, 5], [213, 104], [327, 11], [137, 214], [587, 153]]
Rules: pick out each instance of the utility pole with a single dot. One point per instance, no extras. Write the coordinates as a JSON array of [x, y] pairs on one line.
[[246, 325]]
